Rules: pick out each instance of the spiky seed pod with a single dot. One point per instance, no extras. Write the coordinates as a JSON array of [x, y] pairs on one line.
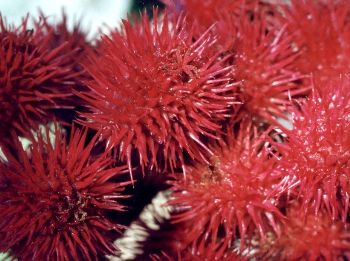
[[33, 79], [263, 63], [157, 92], [317, 153], [211, 252], [321, 31], [238, 191], [263, 58], [60, 33], [55, 200], [74, 41], [308, 237], [204, 13]]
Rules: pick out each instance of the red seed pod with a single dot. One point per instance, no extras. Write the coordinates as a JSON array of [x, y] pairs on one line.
[[157, 92], [55, 200], [263, 57], [205, 12], [263, 63], [75, 42], [237, 192], [211, 252], [60, 33], [34, 79], [308, 237], [317, 153], [321, 31]]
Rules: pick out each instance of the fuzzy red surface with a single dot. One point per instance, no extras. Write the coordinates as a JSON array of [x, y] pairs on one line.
[[158, 93], [75, 42], [59, 33], [263, 63], [211, 252], [321, 31], [205, 13], [307, 238], [55, 200], [263, 59], [237, 192], [317, 153], [77, 46], [34, 78]]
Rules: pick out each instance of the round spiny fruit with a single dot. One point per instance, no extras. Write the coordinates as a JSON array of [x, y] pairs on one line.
[[75, 38], [157, 91], [317, 153], [33, 79], [263, 61], [55, 200], [321, 31], [238, 191], [74, 41], [307, 237], [263, 58]]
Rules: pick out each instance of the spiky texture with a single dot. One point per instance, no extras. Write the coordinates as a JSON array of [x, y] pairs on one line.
[[263, 58], [76, 38], [33, 78], [205, 12], [212, 252], [237, 192], [321, 31], [157, 92], [263, 63], [55, 200], [307, 237], [317, 151], [75, 42]]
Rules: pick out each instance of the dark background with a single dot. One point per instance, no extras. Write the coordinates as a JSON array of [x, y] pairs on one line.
[[142, 4]]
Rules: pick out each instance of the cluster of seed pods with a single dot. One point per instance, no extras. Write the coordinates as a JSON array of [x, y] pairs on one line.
[[236, 111]]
